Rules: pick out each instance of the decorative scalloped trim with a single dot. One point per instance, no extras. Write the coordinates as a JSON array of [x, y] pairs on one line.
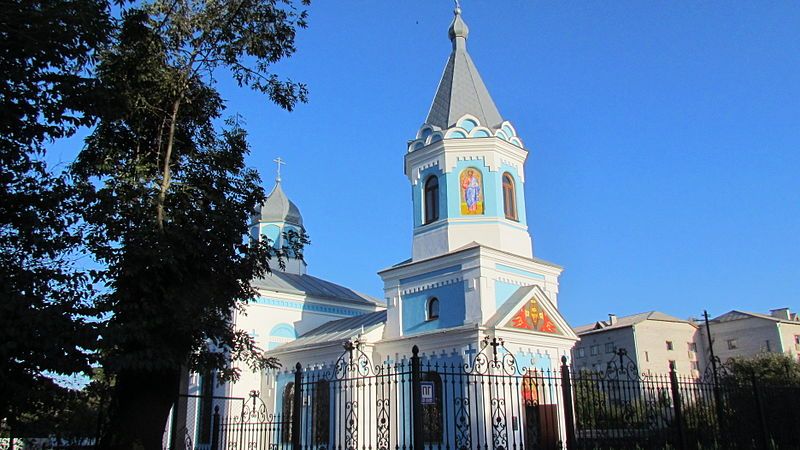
[[428, 134]]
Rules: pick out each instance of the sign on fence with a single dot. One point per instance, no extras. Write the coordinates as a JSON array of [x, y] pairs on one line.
[[428, 392]]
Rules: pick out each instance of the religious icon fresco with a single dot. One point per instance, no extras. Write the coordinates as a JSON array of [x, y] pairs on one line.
[[530, 387], [532, 317], [471, 191]]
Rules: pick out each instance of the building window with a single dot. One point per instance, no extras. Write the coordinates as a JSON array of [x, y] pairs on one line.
[[581, 352], [287, 410], [509, 197], [322, 413], [647, 356], [206, 406], [595, 350], [431, 199], [432, 415], [433, 308], [669, 345], [692, 347], [767, 346], [732, 345], [672, 364], [695, 366], [797, 339], [610, 347]]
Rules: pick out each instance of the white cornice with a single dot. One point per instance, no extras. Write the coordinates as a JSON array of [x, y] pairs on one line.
[[493, 151]]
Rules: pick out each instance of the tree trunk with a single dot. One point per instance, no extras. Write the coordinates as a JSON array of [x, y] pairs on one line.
[[139, 414], [167, 174]]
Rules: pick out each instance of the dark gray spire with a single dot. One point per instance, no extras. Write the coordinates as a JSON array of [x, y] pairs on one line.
[[461, 90]]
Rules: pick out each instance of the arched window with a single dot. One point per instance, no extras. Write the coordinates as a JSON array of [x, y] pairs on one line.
[[288, 412], [509, 197], [431, 199], [433, 308]]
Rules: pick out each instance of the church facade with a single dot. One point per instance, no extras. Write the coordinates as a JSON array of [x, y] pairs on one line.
[[472, 306]]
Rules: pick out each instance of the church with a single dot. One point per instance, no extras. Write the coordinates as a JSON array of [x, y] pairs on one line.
[[471, 317]]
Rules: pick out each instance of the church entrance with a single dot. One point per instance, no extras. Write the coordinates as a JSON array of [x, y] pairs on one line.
[[540, 420]]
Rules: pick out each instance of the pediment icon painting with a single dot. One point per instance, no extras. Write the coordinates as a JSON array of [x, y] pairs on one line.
[[532, 316], [529, 309]]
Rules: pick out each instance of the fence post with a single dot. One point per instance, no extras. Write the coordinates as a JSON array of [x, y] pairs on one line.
[[760, 410], [215, 429], [416, 400], [677, 404], [297, 405], [569, 409]]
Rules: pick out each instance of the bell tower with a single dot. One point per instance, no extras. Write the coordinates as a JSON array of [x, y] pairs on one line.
[[466, 166]]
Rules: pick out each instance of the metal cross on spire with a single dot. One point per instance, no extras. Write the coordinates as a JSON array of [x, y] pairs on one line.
[[458, 5], [280, 162]]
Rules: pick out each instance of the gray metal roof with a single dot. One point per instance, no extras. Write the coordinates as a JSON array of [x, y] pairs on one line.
[[337, 331], [461, 89], [278, 208], [737, 315], [627, 321], [312, 286]]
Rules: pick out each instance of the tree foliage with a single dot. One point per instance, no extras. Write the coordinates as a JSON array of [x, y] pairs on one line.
[[45, 94], [168, 197], [770, 368], [160, 196]]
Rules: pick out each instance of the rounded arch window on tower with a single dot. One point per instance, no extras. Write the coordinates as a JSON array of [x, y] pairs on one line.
[[431, 199], [509, 197], [432, 308]]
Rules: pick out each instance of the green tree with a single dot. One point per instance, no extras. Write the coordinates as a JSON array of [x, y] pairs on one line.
[[46, 92], [770, 368], [168, 198], [590, 400]]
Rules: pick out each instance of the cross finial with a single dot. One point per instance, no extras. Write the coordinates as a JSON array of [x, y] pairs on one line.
[[458, 6], [280, 162]]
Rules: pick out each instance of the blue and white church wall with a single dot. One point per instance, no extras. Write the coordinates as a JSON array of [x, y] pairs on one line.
[[275, 318], [469, 285]]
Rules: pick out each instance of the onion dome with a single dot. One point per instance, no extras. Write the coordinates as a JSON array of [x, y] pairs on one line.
[[278, 208]]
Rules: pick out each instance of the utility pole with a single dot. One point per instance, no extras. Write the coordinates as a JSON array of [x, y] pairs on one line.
[[714, 373], [711, 348]]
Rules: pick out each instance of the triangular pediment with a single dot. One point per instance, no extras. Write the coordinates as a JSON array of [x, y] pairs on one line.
[[529, 309]]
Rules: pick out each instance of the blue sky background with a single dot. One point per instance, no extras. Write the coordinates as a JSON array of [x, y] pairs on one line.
[[664, 142]]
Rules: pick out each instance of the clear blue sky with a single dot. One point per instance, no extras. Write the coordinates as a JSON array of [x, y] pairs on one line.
[[664, 142]]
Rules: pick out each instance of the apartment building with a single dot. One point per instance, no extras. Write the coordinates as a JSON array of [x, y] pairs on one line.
[[652, 339], [742, 334]]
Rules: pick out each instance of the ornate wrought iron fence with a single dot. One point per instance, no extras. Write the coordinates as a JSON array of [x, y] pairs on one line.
[[253, 428], [493, 401], [431, 402]]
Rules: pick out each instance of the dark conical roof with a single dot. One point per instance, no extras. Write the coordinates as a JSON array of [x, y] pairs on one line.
[[461, 89], [278, 208]]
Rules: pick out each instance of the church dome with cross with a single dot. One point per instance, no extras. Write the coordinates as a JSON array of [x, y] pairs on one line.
[[276, 217]]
